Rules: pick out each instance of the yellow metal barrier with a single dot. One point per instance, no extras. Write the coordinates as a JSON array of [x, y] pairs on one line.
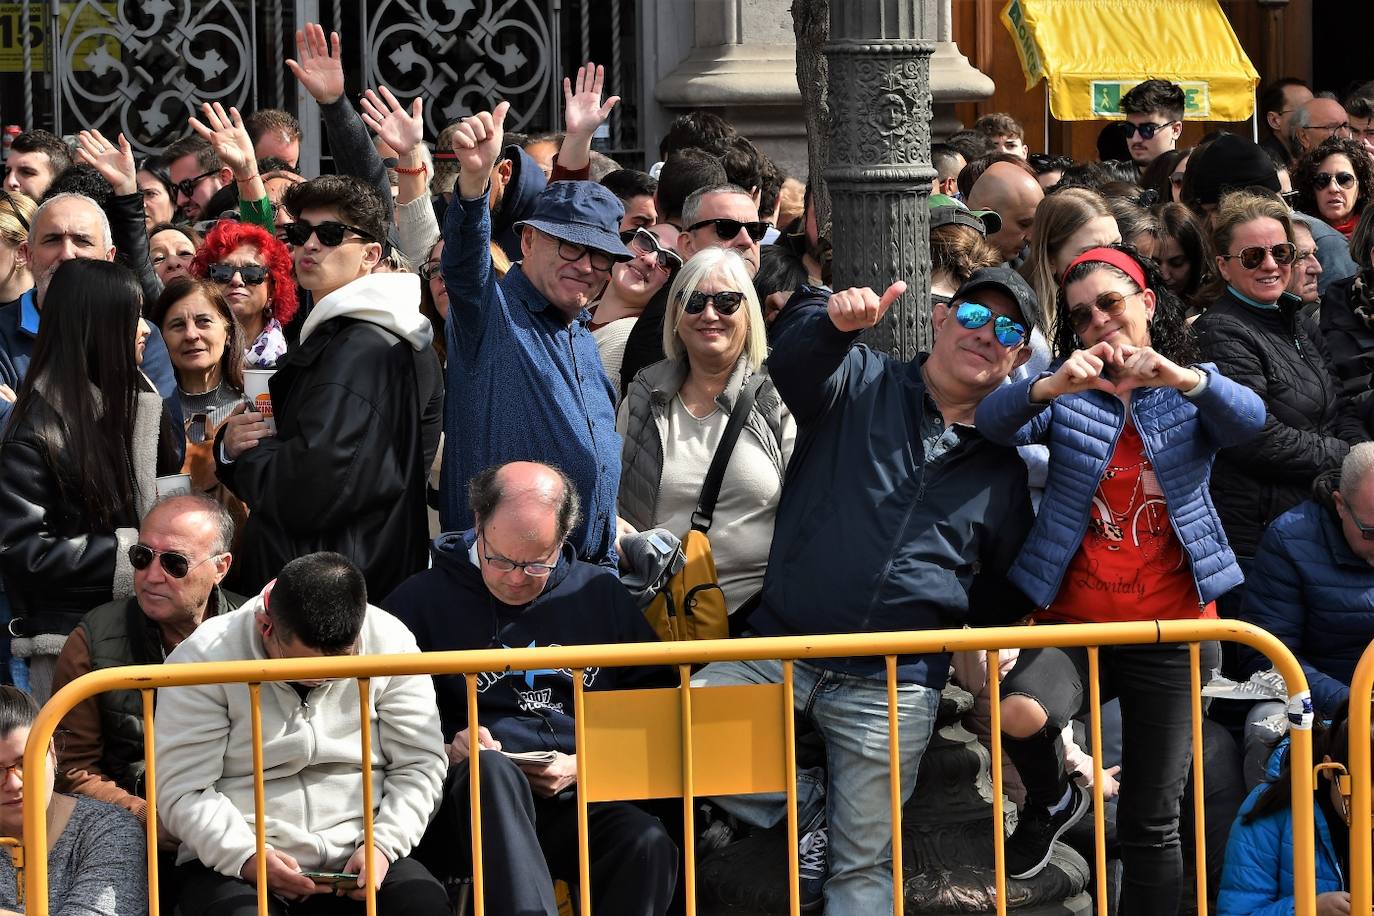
[[1361, 689], [698, 710]]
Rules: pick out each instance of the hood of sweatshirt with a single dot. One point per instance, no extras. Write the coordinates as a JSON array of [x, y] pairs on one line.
[[390, 301], [526, 183], [453, 554]]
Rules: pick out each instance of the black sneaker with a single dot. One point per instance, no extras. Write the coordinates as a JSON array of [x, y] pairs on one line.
[[1028, 848], [813, 863]]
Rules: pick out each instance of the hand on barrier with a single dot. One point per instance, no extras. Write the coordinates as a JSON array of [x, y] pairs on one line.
[[115, 163], [358, 863], [550, 779], [859, 308], [476, 146], [243, 430], [458, 747], [284, 876], [320, 69]]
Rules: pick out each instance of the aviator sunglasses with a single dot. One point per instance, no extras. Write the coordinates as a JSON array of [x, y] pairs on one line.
[[1253, 256], [1108, 303], [175, 565], [973, 316], [1345, 180]]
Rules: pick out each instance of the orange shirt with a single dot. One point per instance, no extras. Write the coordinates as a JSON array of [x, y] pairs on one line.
[[1131, 565]]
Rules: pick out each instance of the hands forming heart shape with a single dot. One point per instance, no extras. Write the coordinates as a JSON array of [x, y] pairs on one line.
[[1116, 370]]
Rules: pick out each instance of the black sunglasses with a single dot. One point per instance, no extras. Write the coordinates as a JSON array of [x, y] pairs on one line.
[[187, 186], [726, 303], [1321, 180], [726, 229], [1253, 256], [252, 274], [642, 241], [1147, 131], [175, 565], [330, 232]]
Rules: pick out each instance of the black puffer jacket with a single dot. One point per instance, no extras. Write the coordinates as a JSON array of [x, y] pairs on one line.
[[1308, 429], [1347, 327]]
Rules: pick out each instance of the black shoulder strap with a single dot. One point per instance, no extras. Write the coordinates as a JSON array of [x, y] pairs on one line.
[[715, 474]]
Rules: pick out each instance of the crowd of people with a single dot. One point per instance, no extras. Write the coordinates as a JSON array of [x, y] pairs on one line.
[[462, 398]]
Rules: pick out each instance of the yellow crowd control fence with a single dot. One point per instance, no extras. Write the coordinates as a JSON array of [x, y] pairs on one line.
[[1361, 876], [642, 744]]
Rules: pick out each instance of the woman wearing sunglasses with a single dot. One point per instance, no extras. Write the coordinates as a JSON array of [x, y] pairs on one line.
[[1125, 532], [205, 343], [633, 283], [1253, 332], [675, 412], [1335, 181], [87, 439], [253, 270]]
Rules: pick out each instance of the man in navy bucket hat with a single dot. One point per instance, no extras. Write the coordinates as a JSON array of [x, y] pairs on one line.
[[524, 379]]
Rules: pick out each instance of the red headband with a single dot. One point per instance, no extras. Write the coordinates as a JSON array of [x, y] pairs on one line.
[[1118, 259]]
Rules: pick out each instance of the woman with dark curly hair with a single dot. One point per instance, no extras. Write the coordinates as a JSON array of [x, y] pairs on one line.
[[1125, 532], [1334, 182], [254, 271]]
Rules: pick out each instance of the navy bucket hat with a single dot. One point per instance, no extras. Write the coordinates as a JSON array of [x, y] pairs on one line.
[[583, 213]]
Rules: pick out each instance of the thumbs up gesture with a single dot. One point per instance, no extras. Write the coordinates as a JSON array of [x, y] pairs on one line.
[[858, 308]]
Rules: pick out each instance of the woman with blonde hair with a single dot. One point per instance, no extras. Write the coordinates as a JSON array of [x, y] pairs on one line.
[[1067, 223], [675, 412], [16, 213]]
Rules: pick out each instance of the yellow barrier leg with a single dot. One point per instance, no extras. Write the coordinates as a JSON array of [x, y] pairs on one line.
[[365, 735], [999, 819], [688, 791], [1199, 796], [894, 776], [1099, 822], [150, 795], [259, 803], [584, 859], [789, 730], [479, 896]]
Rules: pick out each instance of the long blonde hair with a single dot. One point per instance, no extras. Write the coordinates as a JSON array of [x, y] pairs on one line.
[[1057, 218], [729, 267]]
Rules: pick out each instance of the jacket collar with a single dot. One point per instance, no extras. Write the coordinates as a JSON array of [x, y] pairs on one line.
[[665, 380], [28, 313]]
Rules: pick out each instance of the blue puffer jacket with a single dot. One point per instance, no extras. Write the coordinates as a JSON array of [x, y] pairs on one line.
[[1257, 879], [1310, 590], [1181, 436]]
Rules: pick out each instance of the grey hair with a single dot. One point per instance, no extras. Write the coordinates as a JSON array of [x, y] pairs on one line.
[[691, 207], [67, 195], [199, 502], [486, 493], [1356, 466], [1302, 119]]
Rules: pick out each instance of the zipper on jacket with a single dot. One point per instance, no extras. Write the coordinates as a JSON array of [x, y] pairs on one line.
[[1087, 519], [1192, 566]]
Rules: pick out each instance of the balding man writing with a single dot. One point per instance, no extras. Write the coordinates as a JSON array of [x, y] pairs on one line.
[[1013, 194], [514, 581]]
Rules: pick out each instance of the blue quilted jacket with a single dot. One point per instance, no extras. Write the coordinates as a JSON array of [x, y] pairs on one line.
[[1310, 590], [1257, 879], [1181, 436]]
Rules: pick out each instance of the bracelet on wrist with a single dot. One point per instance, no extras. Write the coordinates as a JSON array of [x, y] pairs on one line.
[[421, 169], [245, 180]]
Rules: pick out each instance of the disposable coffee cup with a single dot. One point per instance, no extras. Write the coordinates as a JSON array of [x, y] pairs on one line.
[[259, 395], [173, 485]]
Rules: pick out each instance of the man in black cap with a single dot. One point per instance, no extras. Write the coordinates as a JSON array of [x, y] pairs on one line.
[[525, 380], [897, 515]]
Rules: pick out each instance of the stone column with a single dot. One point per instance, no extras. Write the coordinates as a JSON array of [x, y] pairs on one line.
[[879, 172]]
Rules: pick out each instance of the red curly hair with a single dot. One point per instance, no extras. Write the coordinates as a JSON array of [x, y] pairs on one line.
[[229, 235]]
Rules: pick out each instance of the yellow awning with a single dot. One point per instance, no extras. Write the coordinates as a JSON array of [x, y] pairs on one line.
[[1093, 51]]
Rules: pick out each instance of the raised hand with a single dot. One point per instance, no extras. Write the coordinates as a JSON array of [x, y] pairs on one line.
[[320, 69], [1142, 367], [224, 131], [583, 111], [399, 129], [114, 163], [476, 145], [1084, 369], [859, 308]]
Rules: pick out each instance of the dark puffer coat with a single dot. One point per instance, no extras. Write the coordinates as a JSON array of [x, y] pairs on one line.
[[1306, 432], [1347, 328]]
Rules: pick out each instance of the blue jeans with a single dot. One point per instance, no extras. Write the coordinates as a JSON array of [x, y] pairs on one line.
[[850, 714]]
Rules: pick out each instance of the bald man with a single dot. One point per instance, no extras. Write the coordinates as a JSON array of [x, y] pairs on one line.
[[1314, 121], [1014, 194], [513, 581]]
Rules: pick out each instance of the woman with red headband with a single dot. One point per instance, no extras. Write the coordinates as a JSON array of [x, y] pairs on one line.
[[1125, 532]]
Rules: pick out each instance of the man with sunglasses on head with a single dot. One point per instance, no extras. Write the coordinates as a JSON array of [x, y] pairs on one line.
[[524, 376], [1154, 120], [355, 405], [897, 515], [514, 581]]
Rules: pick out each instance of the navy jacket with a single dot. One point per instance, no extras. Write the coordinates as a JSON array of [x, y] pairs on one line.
[[1257, 879], [448, 607], [526, 183], [1310, 590], [523, 384], [1181, 437], [873, 534]]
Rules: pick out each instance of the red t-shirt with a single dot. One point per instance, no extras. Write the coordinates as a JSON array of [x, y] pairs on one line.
[[1131, 565]]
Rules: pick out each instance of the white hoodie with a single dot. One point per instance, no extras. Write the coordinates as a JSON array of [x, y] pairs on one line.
[[390, 301]]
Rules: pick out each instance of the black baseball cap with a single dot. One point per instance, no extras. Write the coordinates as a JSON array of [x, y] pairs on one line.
[[1010, 284]]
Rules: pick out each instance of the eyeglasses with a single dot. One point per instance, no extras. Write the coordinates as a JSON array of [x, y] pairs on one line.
[[1290, 198], [502, 564], [973, 316], [330, 233], [14, 208], [1250, 258], [1109, 303], [1366, 531], [726, 302], [187, 186], [1146, 131], [13, 769], [251, 274], [175, 565], [726, 229], [572, 253], [642, 241], [1321, 180], [1343, 128], [429, 270]]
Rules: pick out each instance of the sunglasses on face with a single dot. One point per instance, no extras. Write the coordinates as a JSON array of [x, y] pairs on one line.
[[973, 316], [251, 274], [1146, 131], [642, 241], [175, 565], [330, 233], [599, 260], [1110, 304], [187, 186], [726, 303], [726, 229], [1250, 258], [1345, 180]]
